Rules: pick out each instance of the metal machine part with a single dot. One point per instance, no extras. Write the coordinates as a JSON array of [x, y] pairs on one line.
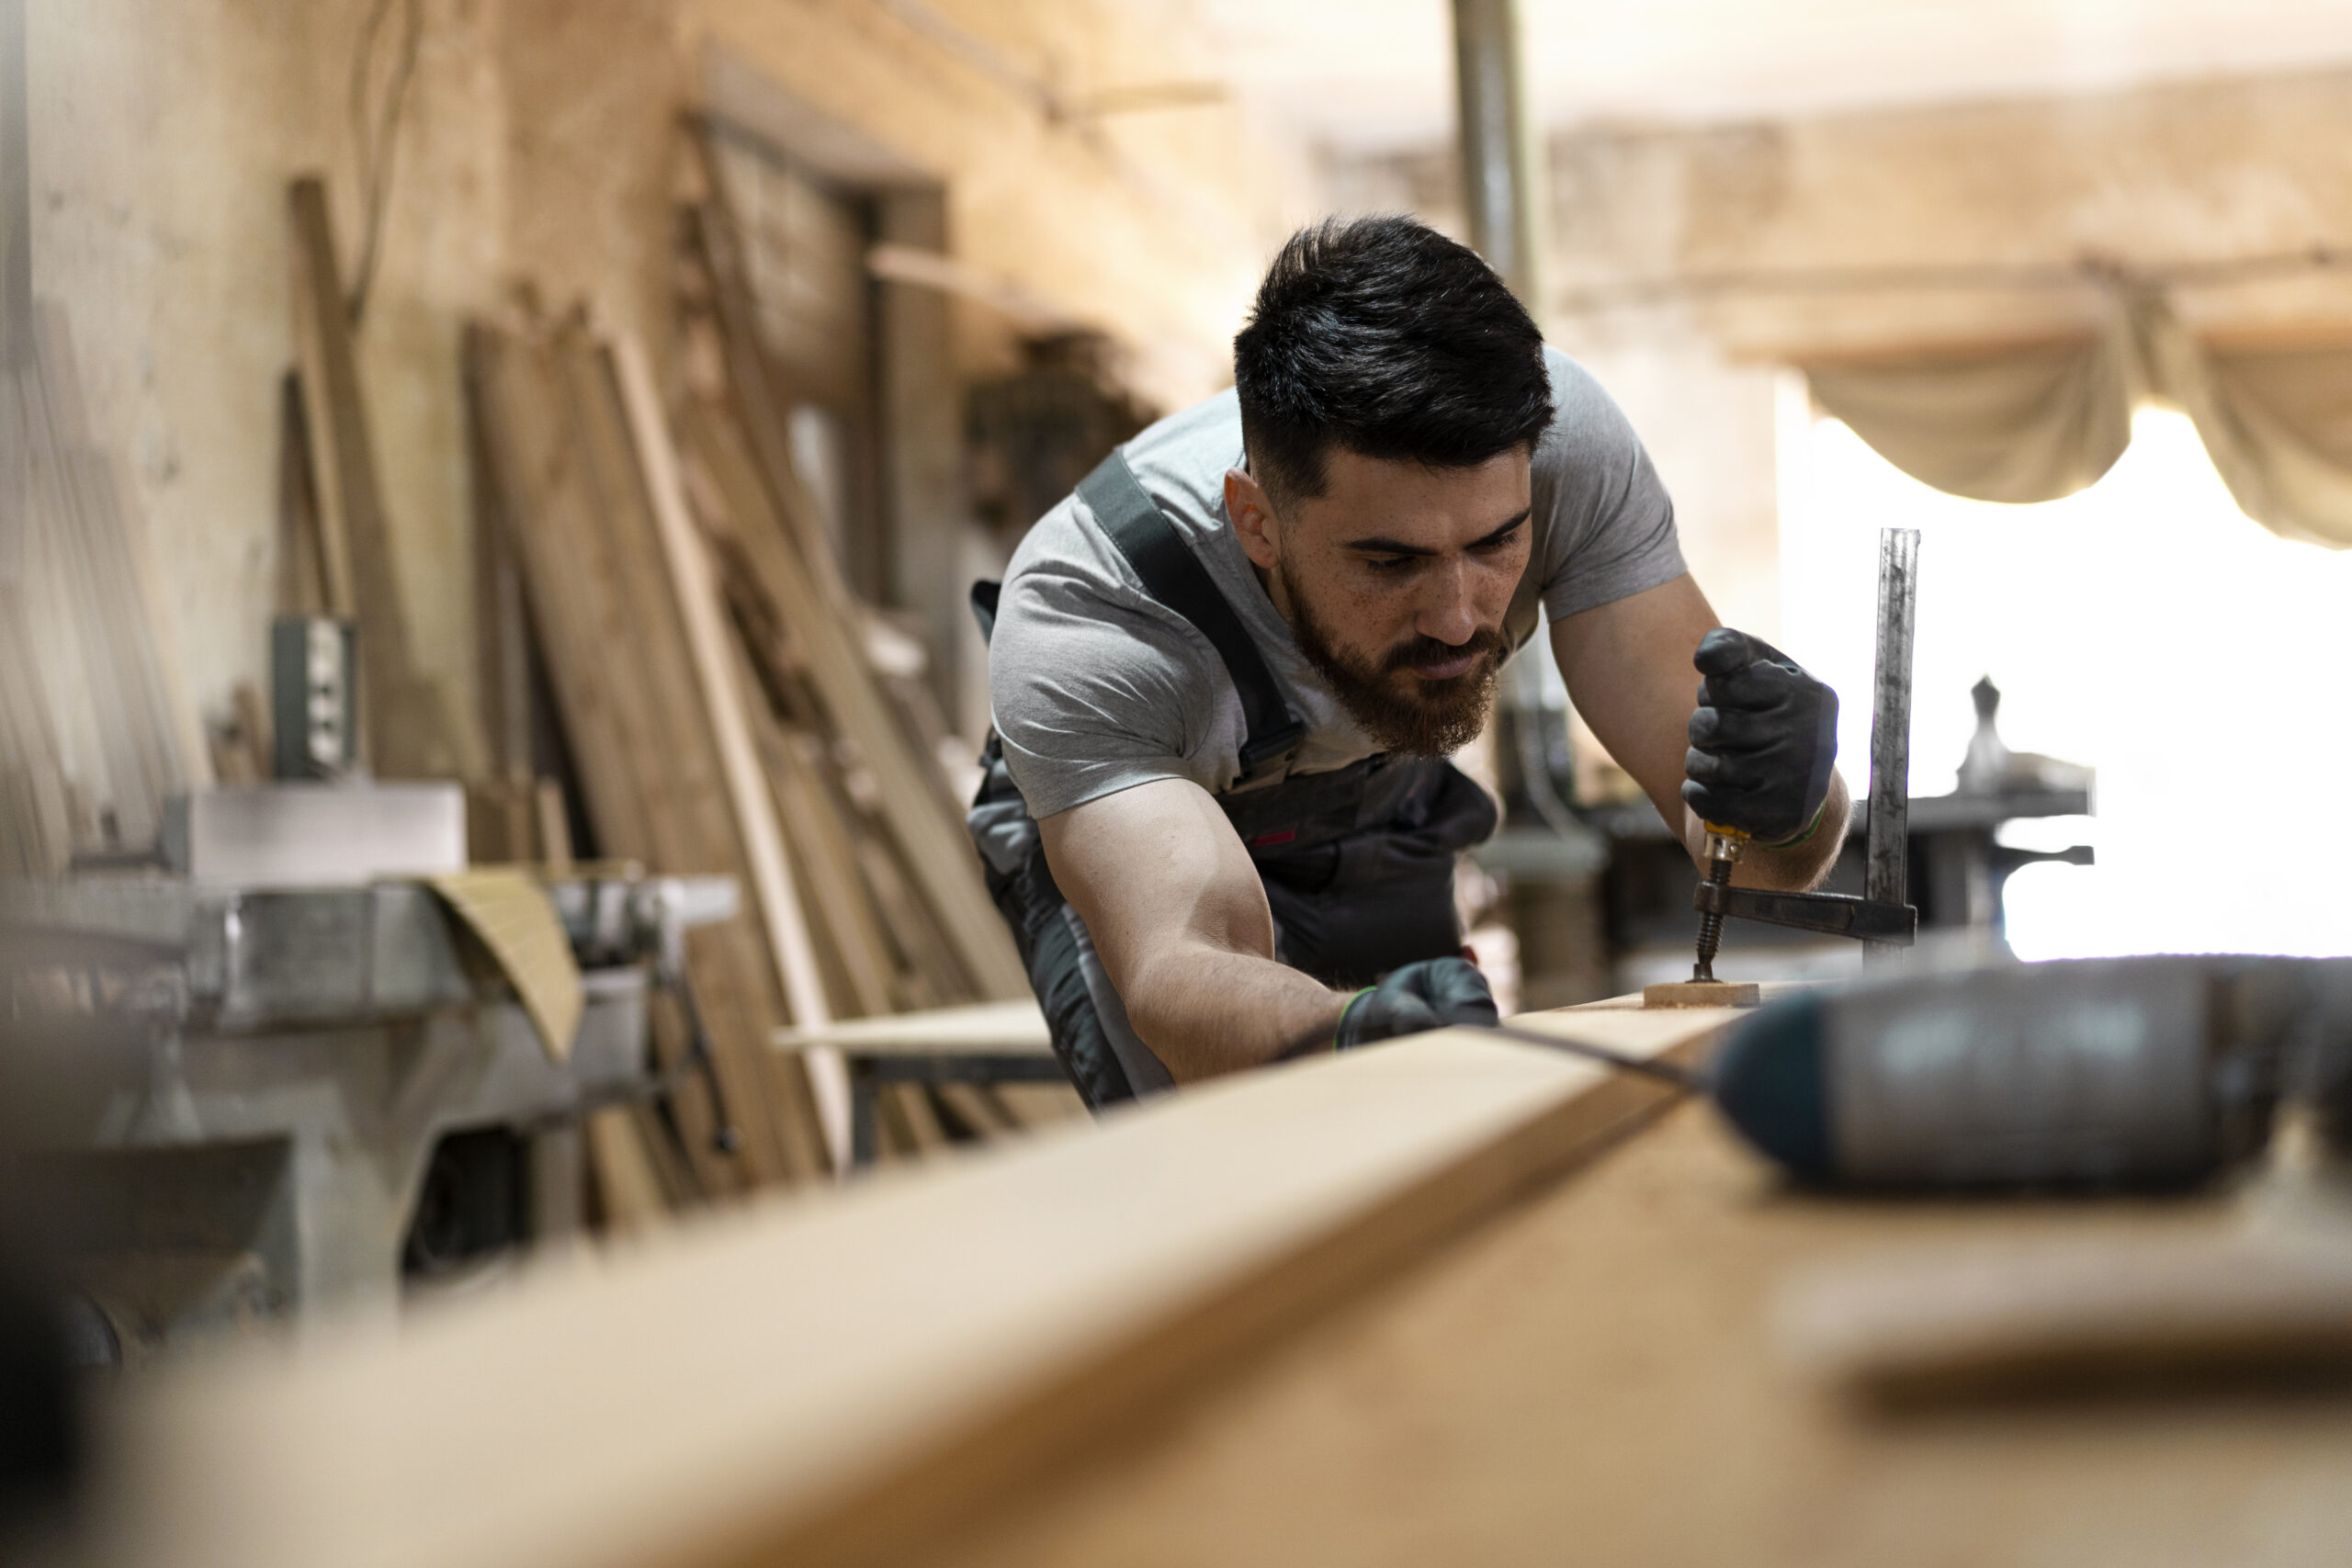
[[1882, 918], [313, 671], [227, 1105]]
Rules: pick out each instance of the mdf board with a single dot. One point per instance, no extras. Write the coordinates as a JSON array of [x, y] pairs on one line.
[[1596, 1378], [829, 1377]]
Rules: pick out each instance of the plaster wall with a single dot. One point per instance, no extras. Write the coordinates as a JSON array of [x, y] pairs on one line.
[[537, 144]]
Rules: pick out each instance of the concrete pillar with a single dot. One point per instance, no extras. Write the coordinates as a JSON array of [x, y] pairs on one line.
[[1502, 161]]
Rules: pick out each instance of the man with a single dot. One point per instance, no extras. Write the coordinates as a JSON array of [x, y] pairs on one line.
[[1225, 674]]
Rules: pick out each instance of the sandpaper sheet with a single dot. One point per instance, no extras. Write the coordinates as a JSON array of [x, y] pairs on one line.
[[515, 920]]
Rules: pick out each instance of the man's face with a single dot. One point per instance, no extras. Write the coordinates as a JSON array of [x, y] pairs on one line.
[[1394, 580]]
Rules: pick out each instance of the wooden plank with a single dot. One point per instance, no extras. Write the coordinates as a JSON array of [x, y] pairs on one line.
[[547, 501], [723, 699], [992, 1028], [981, 1113], [795, 1385], [933, 849], [820, 840], [302, 565], [1535, 1396], [408, 724], [740, 994], [628, 1187]]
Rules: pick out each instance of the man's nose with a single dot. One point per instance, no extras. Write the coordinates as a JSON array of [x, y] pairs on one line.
[[1449, 613]]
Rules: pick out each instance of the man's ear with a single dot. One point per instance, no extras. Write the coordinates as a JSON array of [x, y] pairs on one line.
[[1253, 519]]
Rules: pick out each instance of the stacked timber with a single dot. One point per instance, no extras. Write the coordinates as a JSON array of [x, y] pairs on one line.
[[717, 689]]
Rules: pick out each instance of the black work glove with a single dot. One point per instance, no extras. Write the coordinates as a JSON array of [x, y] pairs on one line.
[[1764, 741], [1432, 994]]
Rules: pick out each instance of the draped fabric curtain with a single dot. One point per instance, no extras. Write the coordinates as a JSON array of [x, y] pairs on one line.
[[2038, 421]]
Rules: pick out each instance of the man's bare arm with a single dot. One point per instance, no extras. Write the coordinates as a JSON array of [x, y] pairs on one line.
[[1627, 665], [1180, 917]]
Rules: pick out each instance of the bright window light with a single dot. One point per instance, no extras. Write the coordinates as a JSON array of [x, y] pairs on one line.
[[2145, 628]]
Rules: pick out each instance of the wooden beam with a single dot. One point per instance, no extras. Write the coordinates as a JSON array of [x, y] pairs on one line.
[[724, 700], [803, 1384], [407, 722], [573, 497], [937, 855]]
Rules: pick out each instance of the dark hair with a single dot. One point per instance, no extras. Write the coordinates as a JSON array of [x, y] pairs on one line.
[[1384, 336]]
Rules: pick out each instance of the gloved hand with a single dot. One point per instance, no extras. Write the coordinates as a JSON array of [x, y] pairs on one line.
[[1764, 741], [1428, 994]]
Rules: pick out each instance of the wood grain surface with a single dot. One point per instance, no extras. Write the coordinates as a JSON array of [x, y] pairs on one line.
[[834, 1378], [1592, 1379]]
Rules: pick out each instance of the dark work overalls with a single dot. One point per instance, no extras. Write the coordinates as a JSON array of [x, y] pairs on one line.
[[1357, 862]]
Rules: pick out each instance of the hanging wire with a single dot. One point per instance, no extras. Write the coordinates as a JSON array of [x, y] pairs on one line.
[[375, 137], [1686, 1079]]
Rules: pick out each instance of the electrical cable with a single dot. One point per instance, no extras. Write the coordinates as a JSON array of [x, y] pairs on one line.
[[1686, 1079], [376, 144]]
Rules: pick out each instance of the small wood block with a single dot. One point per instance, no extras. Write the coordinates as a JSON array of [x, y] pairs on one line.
[[1704, 994]]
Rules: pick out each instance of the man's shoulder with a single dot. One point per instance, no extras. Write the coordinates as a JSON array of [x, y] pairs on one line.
[[1180, 461], [1585, 418]]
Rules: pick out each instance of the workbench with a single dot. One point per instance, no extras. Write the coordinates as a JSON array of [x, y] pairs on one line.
[[1456, 1300], [1592, 1379]]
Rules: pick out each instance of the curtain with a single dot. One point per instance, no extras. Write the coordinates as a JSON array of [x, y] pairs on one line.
[[2042, 421]]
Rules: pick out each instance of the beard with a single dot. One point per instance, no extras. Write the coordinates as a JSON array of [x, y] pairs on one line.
[[1397, 708]]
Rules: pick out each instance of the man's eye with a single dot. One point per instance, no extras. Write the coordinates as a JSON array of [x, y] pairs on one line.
[[1388, 563], [1499, 542]]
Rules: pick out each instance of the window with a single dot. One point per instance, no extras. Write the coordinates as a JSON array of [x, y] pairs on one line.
[[2145, 628]]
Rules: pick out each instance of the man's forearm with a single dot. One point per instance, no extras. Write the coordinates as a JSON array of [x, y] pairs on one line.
[[1792, 869], [1205, 1011]]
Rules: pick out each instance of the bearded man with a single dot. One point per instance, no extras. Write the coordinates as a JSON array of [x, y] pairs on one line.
[[1227, 671]]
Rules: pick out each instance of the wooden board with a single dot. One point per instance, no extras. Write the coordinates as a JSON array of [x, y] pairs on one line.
[[820, 1379], [570, 492], [939, 858], [992, 1028], [747, 452], [406, 718], [1703, 994], [1598, 1377]]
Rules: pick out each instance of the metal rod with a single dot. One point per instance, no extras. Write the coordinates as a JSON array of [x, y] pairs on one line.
[[1502, 180], [1890, 807]]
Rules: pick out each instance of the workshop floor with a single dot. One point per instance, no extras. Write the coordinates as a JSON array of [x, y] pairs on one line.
[[1591, 1378]]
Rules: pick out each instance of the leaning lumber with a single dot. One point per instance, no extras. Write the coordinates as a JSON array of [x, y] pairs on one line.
[[795, 1385], [406, 717], [573, 497], [715, 674], [938, 856], [89, 706], [738, 432]]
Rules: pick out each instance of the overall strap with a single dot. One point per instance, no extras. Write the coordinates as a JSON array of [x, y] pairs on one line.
[[1174, 576]]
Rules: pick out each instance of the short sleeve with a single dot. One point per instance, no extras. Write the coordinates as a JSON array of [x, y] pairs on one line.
[[1090, 695], [1613, 530]]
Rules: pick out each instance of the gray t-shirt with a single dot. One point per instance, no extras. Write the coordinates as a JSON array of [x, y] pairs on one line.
[[1097, 687]]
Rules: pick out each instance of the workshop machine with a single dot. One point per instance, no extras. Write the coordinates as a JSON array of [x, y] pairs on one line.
[[227, 1104]]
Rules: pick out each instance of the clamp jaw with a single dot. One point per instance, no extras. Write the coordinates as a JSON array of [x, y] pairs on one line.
[[1884, 918]]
